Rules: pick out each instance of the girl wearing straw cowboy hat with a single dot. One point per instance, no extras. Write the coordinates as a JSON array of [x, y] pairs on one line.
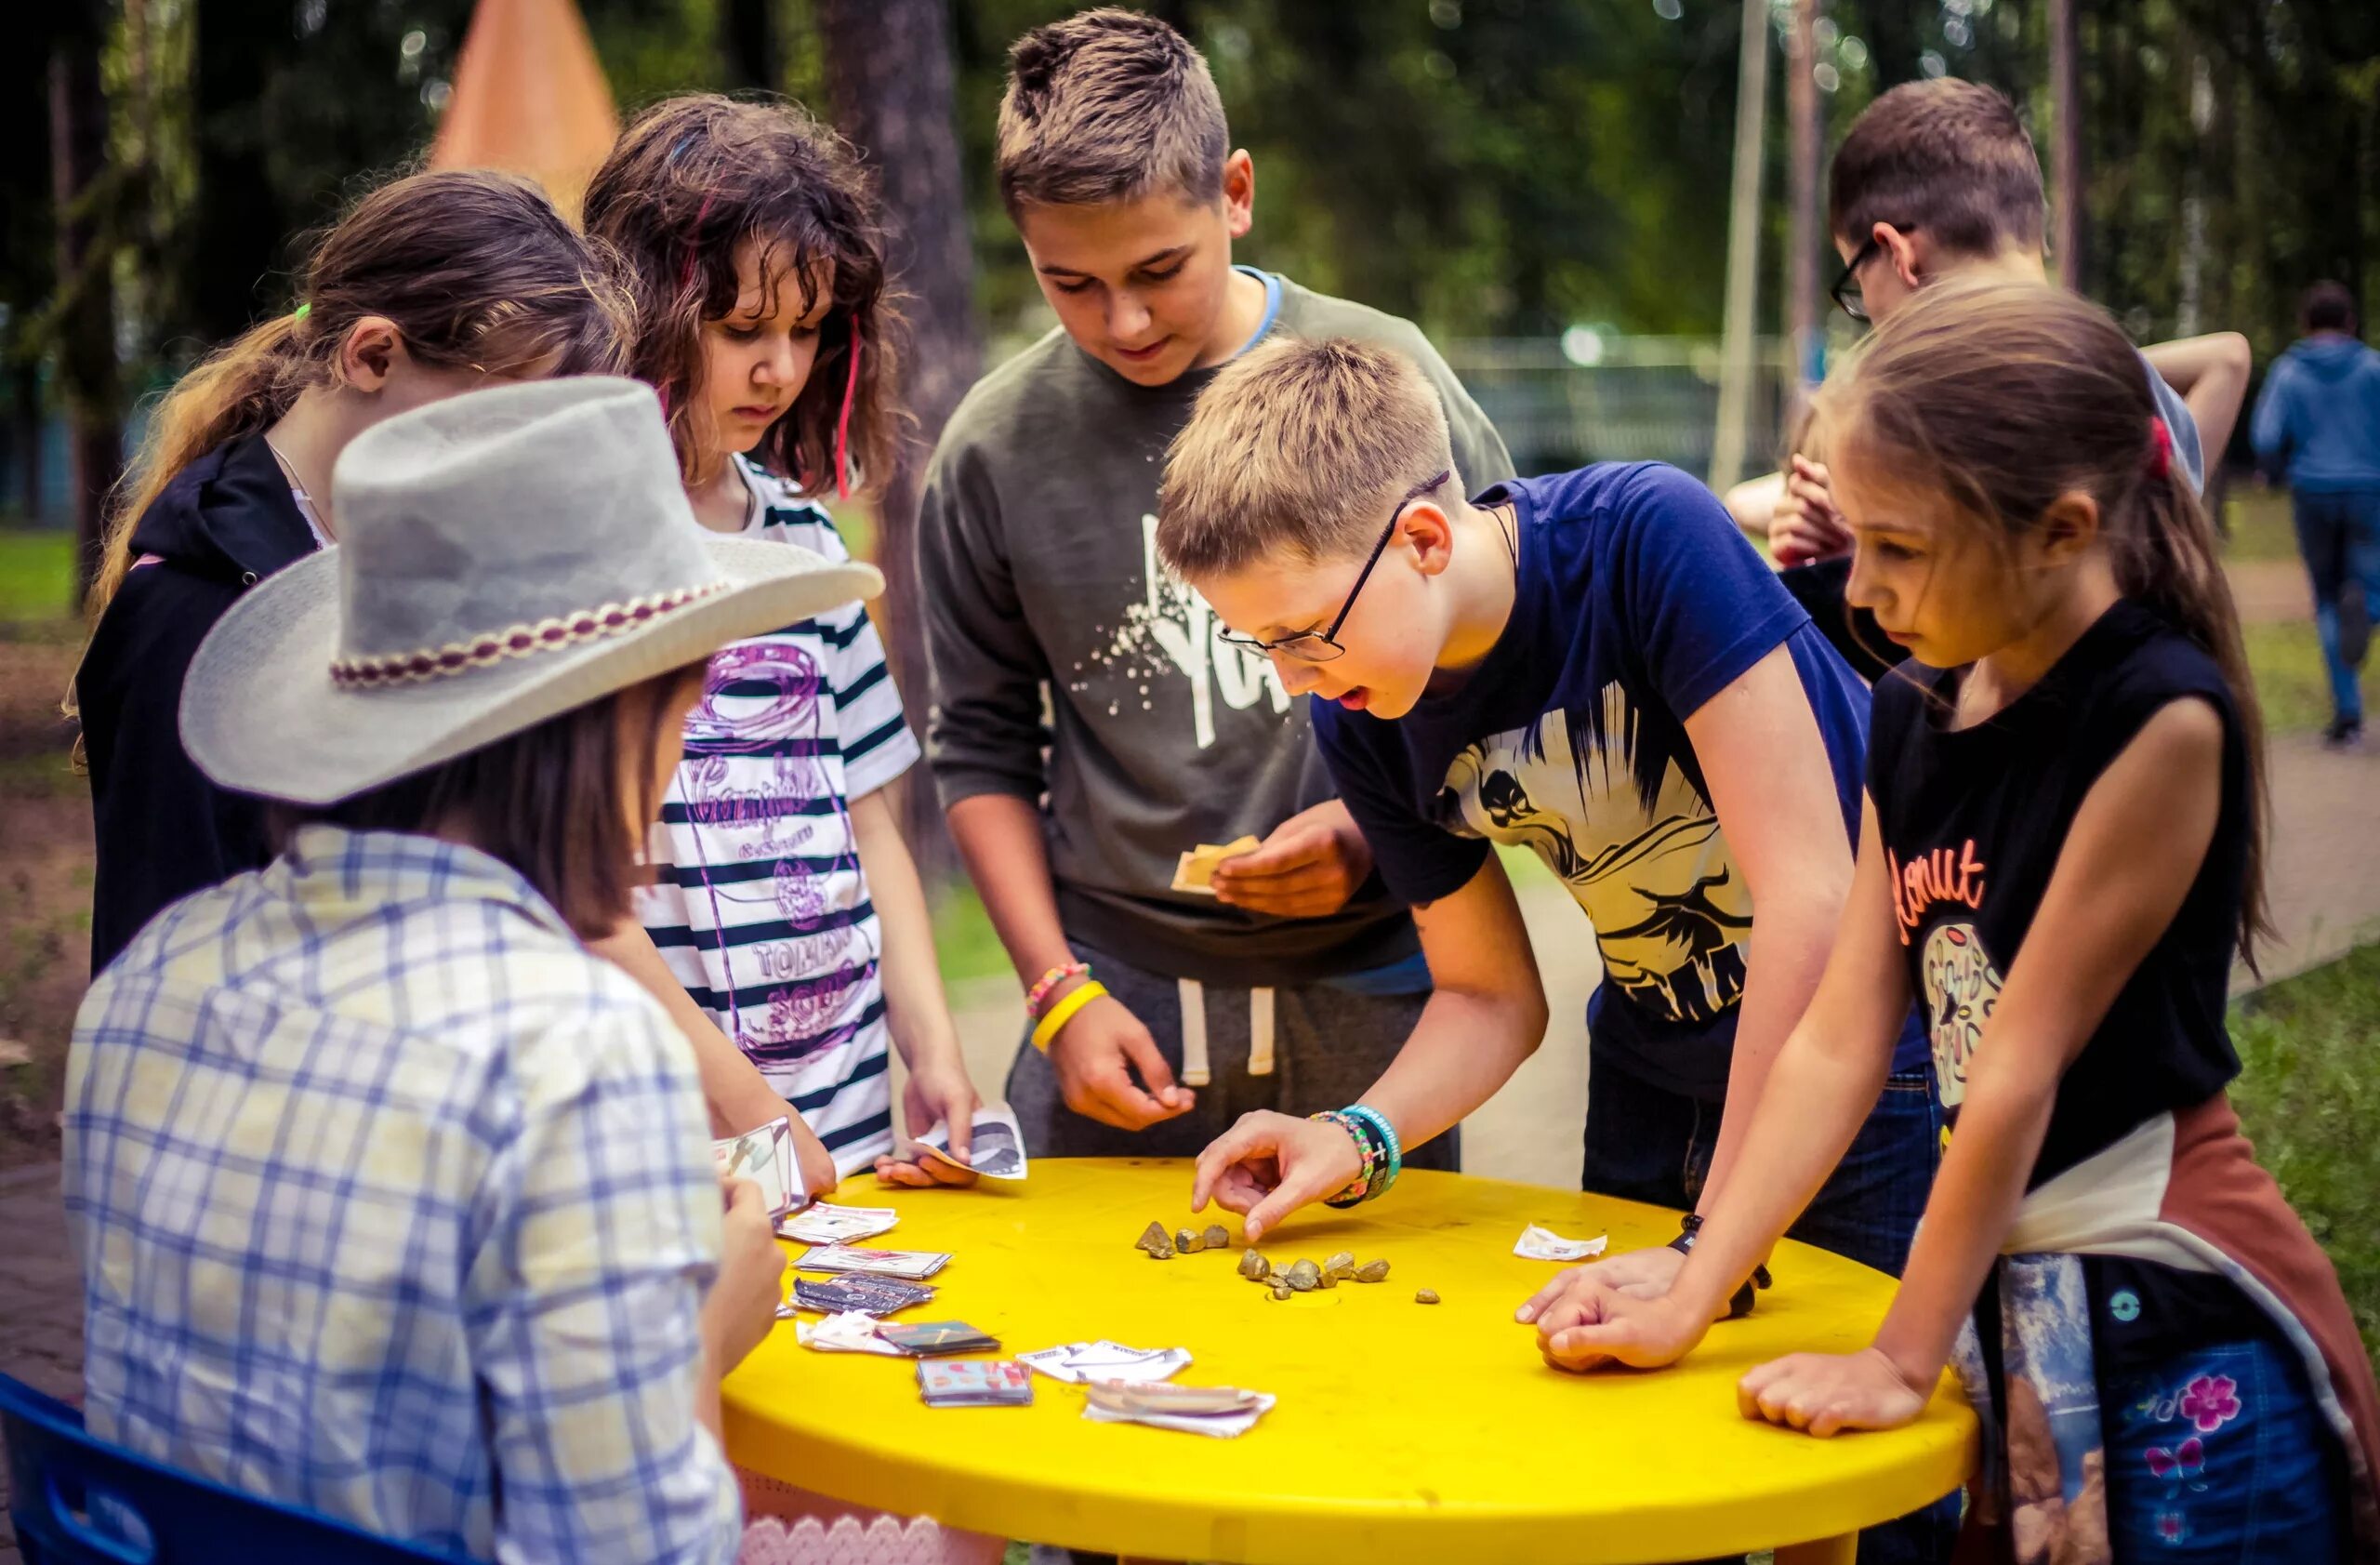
[[392, 1200]]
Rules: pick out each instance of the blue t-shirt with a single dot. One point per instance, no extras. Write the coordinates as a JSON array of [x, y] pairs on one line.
[[1637, 601]]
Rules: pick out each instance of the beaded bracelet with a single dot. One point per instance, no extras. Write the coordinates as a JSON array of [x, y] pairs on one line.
[[1367, 1148], [1040, 992], [1395, 1162]]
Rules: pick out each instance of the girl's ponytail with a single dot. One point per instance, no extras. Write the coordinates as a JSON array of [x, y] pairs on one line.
[[238, 390], [2007, 395], [2175, 568], [476, 269]]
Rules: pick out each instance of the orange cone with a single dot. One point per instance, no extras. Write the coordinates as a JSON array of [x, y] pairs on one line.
[[529, 97]]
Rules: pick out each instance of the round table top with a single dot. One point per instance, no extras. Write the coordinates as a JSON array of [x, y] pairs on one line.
[[1404, 1431]]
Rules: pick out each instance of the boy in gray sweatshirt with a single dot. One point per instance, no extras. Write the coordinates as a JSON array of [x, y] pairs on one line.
[[1086, 730]]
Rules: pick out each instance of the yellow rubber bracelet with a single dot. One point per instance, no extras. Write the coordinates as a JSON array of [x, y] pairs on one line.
[[1045, 1031]]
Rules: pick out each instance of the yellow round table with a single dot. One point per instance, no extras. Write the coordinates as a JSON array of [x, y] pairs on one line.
[[1404, 1431]]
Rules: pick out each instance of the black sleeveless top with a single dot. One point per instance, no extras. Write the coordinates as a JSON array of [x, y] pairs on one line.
[[1973, 820]]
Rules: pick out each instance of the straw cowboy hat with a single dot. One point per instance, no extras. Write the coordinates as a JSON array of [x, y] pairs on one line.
[[504, 556]]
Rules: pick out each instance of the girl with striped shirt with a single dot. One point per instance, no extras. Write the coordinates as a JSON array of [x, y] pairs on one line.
[[786, 925]]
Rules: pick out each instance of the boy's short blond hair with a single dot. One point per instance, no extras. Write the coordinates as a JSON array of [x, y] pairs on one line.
[[1108, 105], [1300, 449]]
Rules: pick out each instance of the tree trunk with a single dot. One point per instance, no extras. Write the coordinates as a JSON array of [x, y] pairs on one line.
[[747, 37], [86, 368], [236, 224], [2065, 142], [1803, 226], [25, 411], [1739, 343], [889, 81]]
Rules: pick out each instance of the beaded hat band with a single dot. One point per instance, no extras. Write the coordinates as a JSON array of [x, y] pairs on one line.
[[518, 641]]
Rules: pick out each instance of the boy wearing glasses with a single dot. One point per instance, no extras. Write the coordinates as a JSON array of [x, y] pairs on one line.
[[1594, 665], [1087, 728], [1938, 179]]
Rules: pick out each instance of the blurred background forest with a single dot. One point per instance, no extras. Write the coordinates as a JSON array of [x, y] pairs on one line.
[[1542, 183]]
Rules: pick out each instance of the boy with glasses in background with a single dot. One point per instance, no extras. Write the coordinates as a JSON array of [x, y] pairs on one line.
[[1938, 179]]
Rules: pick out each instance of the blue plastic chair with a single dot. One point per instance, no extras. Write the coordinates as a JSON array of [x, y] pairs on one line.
[[57, 1472]]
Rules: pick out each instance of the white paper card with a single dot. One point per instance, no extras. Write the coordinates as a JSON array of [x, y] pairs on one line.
[[1544, 1244]]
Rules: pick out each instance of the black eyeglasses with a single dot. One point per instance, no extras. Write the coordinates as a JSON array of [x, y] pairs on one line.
[[1322, 646], [1847, 291]]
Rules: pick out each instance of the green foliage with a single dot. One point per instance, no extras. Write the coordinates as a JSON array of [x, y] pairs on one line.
[[2286, 662], [36, 576], [2308, 1099]]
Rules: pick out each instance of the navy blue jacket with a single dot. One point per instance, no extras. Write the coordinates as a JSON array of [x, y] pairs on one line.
[[224, 523]]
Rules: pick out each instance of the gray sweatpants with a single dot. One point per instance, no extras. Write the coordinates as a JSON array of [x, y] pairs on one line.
[[1329, 1045]]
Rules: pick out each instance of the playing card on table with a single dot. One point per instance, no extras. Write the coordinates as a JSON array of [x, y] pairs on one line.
[[1220, 1411], [1076, 1362], [1195, 872], [847, 1332], [914, 1265], [823, 1223], [765, 1154], [974, 1383], [1544, 1244], [930, 1339], [868, 1295], [995, 1149]]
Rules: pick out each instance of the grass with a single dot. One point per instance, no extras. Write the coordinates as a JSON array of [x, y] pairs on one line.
[[2286, 662], [963, 936], [2310, 1100], [2256, 525], [36, 574]]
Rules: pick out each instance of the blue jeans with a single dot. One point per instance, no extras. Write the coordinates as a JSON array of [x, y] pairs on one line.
[[2221, 1455], [1644, 1143], [2339, 537]]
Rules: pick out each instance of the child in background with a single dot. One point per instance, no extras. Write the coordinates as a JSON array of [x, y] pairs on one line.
[[2062, 850], [430, 285], [1937, 179], [786, 928]]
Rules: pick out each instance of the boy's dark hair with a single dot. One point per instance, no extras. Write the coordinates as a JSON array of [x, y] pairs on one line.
[[2327, 307], [1108, 106], [1948, 158], [547, 801], [691, 180]]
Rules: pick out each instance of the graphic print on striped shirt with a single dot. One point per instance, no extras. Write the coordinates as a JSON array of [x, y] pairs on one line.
[[759, 905]]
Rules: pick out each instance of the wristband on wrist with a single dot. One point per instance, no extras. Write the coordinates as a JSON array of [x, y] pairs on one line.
[[1393, 1163], [1039, 995], [1740, 1302], [1367, 1148], [1045, 1031]]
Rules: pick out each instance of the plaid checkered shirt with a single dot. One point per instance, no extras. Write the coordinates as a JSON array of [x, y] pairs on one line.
[[396, 1204]]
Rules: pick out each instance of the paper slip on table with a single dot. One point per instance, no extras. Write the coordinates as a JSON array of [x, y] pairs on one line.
[[1403, 1432]]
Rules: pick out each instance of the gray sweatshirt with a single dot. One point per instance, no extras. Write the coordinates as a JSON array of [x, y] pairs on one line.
[[1037, 557]]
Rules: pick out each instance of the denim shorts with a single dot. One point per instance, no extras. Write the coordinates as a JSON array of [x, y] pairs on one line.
[[2221, 1453], [1645, 1143]]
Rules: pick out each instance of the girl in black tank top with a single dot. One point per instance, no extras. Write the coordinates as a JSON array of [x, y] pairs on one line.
[[2061, 857]]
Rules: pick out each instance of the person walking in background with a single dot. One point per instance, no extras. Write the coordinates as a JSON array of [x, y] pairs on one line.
[[2318, 424]]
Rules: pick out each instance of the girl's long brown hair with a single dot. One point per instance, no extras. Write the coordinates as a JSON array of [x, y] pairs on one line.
[[475, 269], [693, 179], [2004, 396]]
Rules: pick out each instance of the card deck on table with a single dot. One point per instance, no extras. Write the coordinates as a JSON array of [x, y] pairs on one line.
[[870, 1295], [930, 1339], [914, 1265], [824, 1222], [974, 1383]]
